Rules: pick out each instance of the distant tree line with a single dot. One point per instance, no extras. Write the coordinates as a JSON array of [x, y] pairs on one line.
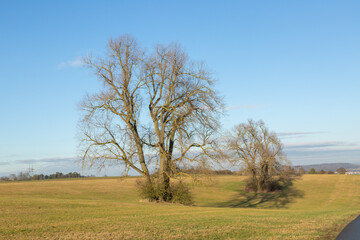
[[295, 171], [204, 170], [25, 176], [56, 176], [322, 171]]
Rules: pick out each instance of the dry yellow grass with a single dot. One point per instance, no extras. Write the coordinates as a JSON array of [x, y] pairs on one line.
[[315, 207]]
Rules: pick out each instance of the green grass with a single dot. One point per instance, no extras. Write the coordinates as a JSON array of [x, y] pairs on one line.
[[315, 207]]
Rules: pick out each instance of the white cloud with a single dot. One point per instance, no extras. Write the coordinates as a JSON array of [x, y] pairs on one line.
[[78, 62]]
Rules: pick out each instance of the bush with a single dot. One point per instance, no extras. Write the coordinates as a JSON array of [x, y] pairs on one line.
[[147, 190], [275, 183], [251, 185], [269, 186], [179, 191]]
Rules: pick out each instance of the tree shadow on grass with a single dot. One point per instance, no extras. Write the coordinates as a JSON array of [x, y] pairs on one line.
[[277, 199]]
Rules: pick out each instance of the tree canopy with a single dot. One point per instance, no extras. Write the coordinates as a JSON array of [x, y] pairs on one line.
[[156, 108]]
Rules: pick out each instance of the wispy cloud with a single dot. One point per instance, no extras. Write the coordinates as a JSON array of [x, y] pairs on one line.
[[46, 160], [291, 134], [314, 144], [321, 146], [4, 163], [78, 62], [246, 106], [323, 155]]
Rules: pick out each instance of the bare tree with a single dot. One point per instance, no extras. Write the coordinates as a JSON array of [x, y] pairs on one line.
[[158, 104], [110, 122], [260, 151], [341, 170]]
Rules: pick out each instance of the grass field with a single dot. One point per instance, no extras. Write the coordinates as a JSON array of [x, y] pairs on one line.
[[315, 207]]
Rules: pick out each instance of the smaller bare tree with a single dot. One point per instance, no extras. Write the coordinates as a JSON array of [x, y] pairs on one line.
[[260, 152]]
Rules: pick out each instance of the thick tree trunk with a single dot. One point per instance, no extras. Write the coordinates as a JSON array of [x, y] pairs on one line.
[[264, 177], [164, 179]]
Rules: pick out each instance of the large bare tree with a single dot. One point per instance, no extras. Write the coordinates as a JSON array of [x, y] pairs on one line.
[[156, 107], [260, 152]]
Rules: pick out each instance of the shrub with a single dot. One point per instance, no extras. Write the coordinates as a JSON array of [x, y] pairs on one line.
[[179, 191], [147, 190], [251, 185], [275, 183], [270, 185]]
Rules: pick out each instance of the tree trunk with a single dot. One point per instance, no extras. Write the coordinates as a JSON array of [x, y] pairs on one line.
[[164, 178], [141, 154]]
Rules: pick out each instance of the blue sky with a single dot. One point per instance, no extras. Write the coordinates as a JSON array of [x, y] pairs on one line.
[[294, 64]]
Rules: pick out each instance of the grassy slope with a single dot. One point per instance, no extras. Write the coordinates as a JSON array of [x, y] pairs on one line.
[[317, 206]]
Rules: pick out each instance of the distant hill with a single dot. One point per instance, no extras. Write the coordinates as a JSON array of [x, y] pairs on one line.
[[330, 166]]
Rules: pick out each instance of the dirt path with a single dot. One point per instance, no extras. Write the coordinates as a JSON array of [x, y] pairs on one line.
[[351, 231]]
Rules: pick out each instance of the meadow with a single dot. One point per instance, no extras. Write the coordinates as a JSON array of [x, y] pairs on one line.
[[314, 207]]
